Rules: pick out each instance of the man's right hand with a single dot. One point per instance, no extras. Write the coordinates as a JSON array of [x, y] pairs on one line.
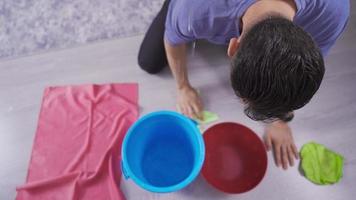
[[189, 102]]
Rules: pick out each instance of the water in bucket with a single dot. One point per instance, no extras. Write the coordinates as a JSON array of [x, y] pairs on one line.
[[163, 152]]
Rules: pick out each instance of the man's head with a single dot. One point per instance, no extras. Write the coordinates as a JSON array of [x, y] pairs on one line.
[[276, 68]]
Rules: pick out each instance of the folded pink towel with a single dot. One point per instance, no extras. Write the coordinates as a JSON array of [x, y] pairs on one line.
[[77, 149]]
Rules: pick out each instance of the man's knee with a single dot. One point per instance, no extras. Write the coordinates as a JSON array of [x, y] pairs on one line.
[[151, 68]]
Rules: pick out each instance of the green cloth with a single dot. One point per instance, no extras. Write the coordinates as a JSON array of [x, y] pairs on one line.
[[208, 117], [321, 165]]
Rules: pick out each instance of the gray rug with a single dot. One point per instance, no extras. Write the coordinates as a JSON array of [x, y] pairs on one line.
[[30, 26]]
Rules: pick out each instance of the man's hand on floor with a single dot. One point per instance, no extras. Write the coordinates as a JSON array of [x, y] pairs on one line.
[[279, 136], [189, 102]]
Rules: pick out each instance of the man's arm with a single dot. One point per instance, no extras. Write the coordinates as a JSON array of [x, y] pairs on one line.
[[176, 56], [189, 101]]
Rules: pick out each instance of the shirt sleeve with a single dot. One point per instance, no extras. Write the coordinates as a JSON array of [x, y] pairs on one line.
[[326, 45], [334, 29], [177, 27], [174, 37]]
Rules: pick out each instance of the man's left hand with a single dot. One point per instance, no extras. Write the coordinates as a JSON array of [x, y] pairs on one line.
[[279, 135]]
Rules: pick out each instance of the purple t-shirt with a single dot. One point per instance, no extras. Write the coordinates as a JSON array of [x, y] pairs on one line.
[[218, 20]]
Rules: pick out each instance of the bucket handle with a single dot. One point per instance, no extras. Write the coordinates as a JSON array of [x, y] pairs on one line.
[[126, 176]]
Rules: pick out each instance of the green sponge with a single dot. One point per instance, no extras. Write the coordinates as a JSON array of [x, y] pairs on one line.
[[208, 117], [321, 165]]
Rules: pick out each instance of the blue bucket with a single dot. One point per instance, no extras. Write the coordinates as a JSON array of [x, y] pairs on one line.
[[163, 152]]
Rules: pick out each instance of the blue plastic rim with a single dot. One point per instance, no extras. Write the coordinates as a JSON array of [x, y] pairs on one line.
[[163, 152]]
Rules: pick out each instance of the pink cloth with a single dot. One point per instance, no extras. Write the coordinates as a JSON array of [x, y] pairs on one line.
[[76, 152]]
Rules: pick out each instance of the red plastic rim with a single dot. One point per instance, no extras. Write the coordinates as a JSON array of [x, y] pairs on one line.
[[236, 159]]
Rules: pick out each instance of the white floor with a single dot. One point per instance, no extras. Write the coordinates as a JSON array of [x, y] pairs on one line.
[[329, 119]]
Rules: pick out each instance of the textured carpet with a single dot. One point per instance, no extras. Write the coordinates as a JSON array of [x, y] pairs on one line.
[[30, 26]]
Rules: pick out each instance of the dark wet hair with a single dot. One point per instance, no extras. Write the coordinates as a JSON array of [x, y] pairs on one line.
[[277, 69]]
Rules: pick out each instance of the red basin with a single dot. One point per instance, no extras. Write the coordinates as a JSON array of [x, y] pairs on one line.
[[236, 159]]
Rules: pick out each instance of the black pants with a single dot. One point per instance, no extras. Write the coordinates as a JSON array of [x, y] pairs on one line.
[[152, 55]]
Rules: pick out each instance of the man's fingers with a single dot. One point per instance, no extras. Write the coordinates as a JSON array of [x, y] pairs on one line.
[[284, 156], [277, 154], [190, 111], [197, 111], [179, 108], [187, 111], [291, 155], [295, 151], [183, 110], [268, 142]]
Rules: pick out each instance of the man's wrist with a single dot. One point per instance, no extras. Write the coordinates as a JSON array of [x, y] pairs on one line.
[[277, 124], [183, 86]]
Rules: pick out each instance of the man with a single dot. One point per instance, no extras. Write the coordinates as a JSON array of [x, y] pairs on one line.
[[276, 48]]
